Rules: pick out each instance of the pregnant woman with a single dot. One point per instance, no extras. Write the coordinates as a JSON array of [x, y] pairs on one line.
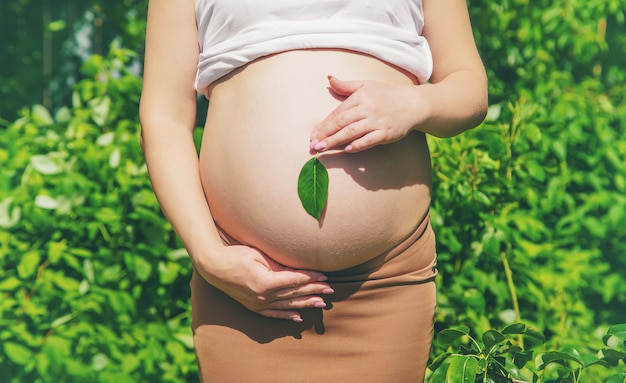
[[277, 295]]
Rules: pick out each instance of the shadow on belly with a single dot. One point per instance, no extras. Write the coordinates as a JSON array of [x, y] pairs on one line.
[[385, 167]]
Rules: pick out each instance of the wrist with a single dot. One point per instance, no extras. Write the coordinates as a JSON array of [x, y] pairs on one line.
[[421, 107]]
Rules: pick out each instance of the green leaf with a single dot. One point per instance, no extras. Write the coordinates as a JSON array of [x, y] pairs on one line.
[[463, 369], [18, 353], [611, 356], [614, 334], [45, 164], [100, 108], [105, 139], [115, 158], [168, 272], [57, 25], [56, 250], [46, 202], [143, 268], [9, 284], [62, 320], [536, 171], [99, 361], [493, 337], [521, 358], [439, 374], [313, 187], [438, 361], [28, 264], [177, 254], [619, 378], [544, 359], [450, 335], [65, 283], [515, 328], [41, 115], [9, 215]]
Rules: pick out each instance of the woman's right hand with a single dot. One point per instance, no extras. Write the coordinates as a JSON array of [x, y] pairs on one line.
[[264, 286]]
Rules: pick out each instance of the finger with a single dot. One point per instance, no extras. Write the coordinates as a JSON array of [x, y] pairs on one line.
[[298, 303], [365, 142], [293, 278], [292, 315], [305, 290], [344, 88], [345, 136], [342, 116]]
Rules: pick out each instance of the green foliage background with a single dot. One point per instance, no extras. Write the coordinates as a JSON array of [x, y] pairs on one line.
[[529, 209]]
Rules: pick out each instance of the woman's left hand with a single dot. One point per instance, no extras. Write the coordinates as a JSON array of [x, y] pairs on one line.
[[371, 114]]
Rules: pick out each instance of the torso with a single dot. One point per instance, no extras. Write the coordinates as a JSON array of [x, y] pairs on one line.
[[256, 140]]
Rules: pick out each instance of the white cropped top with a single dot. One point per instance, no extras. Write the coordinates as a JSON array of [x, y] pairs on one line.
[[232, 33]]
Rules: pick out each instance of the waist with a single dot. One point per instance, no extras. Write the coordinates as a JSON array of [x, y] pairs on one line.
[[256, 141]]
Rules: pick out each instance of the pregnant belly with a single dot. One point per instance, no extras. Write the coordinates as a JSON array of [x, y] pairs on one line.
[[256, 140]]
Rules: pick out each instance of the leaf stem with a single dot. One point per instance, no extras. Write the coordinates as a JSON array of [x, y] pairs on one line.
[[509, 279]]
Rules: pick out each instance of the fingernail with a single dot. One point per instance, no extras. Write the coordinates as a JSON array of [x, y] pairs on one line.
[[320, 305], [297, 319], [320, 146], [328, 291], [322, 278], [348, 148], [331, 77]]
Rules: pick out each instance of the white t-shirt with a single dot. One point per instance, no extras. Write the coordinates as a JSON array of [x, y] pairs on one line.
[[232, 33]]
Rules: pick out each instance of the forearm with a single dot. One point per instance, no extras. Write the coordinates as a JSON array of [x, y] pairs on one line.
[[453, 105], [173, 168]]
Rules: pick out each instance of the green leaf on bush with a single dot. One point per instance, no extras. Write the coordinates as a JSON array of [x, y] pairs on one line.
[[18, 353], [493, 337], [45, 164], [619, 378], [439, 374], [450, 335], [515, 329], [28, 264], [313, 187], [56, 250], [521, 358], [168, 272], [9, 284], [544, 359], [41, 115], [9, 215], [463, 369], [614, 334], [99, 361], [100, 108], [143, 268], [62, 320], [611, 356], [536, 171], [46, 202]]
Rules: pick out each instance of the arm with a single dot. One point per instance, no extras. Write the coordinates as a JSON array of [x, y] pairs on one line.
[[455, 100], [167, 113]]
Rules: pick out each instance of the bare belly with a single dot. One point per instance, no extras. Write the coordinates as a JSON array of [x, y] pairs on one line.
[[256, 140]]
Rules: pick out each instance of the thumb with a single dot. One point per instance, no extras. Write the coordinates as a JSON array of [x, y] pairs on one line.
[[344, 88]]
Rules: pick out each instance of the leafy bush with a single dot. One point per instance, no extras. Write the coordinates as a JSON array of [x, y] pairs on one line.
[[529, 207], [500, 356], [93, 285]]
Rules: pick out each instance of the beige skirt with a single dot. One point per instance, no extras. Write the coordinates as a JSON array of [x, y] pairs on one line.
[[377, 326]]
